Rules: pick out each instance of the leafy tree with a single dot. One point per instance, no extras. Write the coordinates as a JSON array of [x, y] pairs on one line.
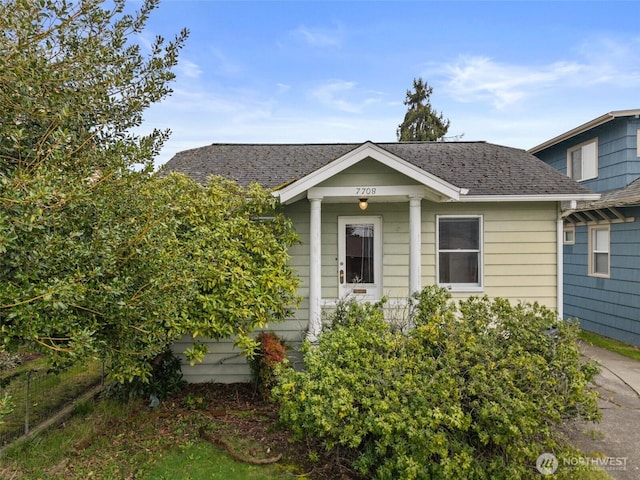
[[85, 263], [238, 243], [421, 122], [99, 257]]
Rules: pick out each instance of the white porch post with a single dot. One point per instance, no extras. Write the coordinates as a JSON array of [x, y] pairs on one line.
[[315, 286], [415, 245]]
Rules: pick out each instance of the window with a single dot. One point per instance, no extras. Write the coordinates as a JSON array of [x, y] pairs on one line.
[[638, 143], [459, 244], [360, 257], [569, 235], [582, 161], [599, 251], [359, 253]]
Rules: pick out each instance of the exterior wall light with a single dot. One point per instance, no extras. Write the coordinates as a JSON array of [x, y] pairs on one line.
[[363, 203]]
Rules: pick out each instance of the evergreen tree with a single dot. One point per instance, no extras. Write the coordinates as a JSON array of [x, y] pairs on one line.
[[421, 122]]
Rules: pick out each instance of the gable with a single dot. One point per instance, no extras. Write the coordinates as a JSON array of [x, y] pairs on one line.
[[368, 172], [367, 151], [615, 138], [585, 127]]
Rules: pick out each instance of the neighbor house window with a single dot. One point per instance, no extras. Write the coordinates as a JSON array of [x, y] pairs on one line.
[[459, 244], [569, 235], [582, 161], [638, 143], [599, 247]]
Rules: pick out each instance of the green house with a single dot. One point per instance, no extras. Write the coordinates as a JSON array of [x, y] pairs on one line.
[[386, 219]]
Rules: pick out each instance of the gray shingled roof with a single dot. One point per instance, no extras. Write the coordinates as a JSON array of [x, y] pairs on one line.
[[622, 197], [483, 168]]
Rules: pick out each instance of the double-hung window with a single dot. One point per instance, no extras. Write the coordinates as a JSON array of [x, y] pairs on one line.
[[599, 247], [459, 245], [582, 161]]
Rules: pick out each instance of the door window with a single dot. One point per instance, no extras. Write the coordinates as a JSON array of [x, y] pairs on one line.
[[360, 257]]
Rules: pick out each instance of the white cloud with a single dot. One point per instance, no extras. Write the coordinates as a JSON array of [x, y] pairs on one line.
[[345, 96], [222, 64], [282, 88], [601, 61], [188, 69], [321, 37], [472, 79], [611, 60], [333, 93]]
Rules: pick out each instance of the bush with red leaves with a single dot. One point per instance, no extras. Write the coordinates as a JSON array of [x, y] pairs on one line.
[[271, 352]]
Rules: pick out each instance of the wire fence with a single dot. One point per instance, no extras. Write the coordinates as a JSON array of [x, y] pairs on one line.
[[35, 395]]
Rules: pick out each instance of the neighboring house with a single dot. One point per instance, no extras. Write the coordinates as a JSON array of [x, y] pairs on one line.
[[602, 238], [389, 218]]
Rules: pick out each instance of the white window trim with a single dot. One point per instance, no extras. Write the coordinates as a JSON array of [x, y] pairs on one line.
[[592, 272], [569, 229], [462, 287], [580, 146], [638, 143]]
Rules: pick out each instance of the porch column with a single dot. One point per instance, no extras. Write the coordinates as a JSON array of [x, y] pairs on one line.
[[315, 286], [415, 245]]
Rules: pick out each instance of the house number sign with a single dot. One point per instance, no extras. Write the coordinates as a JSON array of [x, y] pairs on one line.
[[365, 191]]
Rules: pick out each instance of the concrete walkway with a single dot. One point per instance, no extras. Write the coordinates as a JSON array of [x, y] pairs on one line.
[[626, 369], [617, 436]]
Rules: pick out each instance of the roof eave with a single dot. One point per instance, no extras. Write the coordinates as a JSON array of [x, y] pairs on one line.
[[532, 198], [596, 122]]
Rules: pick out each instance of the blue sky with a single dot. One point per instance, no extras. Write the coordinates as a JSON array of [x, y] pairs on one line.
[[511, 73]]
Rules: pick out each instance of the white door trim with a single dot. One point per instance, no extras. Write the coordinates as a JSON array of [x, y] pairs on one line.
[[371, 291]]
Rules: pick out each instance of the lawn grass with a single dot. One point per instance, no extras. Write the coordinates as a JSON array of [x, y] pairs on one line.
[[203, 461], [114, 440], [611, 344]]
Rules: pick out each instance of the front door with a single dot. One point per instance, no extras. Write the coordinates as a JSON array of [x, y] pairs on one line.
[[360, 257]]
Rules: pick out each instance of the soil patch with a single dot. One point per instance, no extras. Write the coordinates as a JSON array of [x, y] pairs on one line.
[[247, 427]]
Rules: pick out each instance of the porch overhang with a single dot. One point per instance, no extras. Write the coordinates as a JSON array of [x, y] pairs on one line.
[[605, 210], [596, 216]]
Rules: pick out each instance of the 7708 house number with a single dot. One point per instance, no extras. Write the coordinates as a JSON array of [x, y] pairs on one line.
[[365, 191]]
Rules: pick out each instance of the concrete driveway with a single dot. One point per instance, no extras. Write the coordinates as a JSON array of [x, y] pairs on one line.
[[616, 439]]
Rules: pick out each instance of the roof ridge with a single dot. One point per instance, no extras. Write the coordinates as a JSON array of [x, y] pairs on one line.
[[279, 144]]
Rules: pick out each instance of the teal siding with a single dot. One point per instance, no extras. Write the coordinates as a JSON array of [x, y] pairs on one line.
[[607, 306], [618, 163]]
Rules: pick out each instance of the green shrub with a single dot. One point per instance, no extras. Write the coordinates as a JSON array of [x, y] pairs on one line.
[[165, 379], [473, 391], [6, 405]]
